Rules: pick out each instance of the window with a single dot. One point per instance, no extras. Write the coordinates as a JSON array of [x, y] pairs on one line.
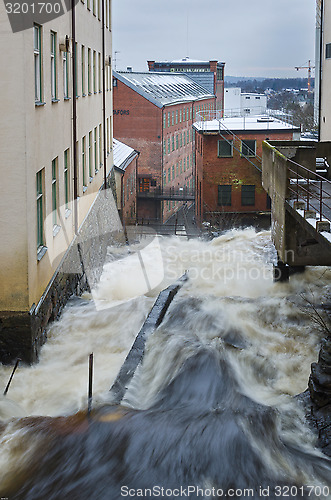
[[168, 145], [173, 172], [164, 120], [37, 62], [90, 160], [328, 51], [177, 143], [169, 178], [84, 161], [181, 140], [173, 143], [172, 118], [224, 195], [247, 196], [66, 173], [225, 149], [83, 70], [176, 116], [40, 209], [53, 65], [168, 118], [164, 147], [89, 71], [100, 145], [99, 66], [65, 75], [248, 148], [76, 72], [180, 116], [54, 192], [94, 73], [95, 150]]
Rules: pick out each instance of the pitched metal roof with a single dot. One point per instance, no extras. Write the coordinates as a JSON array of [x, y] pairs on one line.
[[162, 88], [123, 154]]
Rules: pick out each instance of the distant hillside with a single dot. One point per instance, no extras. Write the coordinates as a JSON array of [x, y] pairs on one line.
[[251, 84]]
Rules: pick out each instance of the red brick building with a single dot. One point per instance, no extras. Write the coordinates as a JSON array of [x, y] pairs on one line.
[[228, 164], [154, 114]]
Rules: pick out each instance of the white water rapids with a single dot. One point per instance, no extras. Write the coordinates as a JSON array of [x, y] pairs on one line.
[[229, 307]]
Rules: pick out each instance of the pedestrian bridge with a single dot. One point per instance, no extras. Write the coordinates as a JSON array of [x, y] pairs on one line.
[[301, 200]]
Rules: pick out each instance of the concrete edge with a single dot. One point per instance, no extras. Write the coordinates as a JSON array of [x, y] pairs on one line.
[[136, 353]]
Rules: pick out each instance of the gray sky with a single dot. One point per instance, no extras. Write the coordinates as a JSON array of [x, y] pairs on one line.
[[253, 37]]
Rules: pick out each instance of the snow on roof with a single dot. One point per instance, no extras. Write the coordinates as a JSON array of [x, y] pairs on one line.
[[122, 154], [254, 123], [162, 88]]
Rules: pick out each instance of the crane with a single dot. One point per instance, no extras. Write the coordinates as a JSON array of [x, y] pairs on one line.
[[309, 67]]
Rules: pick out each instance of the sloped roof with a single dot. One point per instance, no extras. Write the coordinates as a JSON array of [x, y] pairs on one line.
[[162, 88], [123, 154]]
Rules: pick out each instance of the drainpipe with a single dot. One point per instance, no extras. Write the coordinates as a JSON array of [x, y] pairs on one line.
[[74, 111], [320, 73], [162, 163], [104, 95]]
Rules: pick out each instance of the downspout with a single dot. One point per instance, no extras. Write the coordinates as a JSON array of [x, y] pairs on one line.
[[320, 73], [74, 111], [162, 163], [104, 95]]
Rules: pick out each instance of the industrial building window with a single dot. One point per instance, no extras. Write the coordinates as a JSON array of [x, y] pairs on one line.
[[66, 178], [40, 208], [168, 145], [89, 71], [173, 143], [169, 175], [180, 116], [164, 120], [54, 191], [248, 148], [100, 145], [173, 172], [37, 62], [83, 70], [328, 51], [53, 65], [75, 69], [90, 158], [99, 67], [96, 163], [177, 143], [224, 195], [94, 73], [65, 76], [225, 149], [247, 196], [168, 118], [172, 118], [84, 162], [176, 116]]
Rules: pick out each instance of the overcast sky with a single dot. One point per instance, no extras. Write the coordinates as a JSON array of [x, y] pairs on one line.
[[253, 37]]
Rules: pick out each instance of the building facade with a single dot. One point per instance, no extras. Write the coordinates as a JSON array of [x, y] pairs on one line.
[[209, 74], [56, 154], [323, 70], [154, 115], [237, 103], [228, 164], [126, 169]]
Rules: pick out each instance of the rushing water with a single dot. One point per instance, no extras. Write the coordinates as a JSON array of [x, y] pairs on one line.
[[212, 404]]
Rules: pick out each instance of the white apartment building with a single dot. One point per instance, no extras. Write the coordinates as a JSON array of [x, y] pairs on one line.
[[237, 103], [55, 148], [323, 69]]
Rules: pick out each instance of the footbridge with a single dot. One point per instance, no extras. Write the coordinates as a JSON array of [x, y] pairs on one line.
[[301, 203]]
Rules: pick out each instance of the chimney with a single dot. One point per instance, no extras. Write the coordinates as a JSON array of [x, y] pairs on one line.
[[213, 66], [151, 65]]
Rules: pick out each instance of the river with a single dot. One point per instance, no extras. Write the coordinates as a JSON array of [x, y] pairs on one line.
[[209, 413]]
